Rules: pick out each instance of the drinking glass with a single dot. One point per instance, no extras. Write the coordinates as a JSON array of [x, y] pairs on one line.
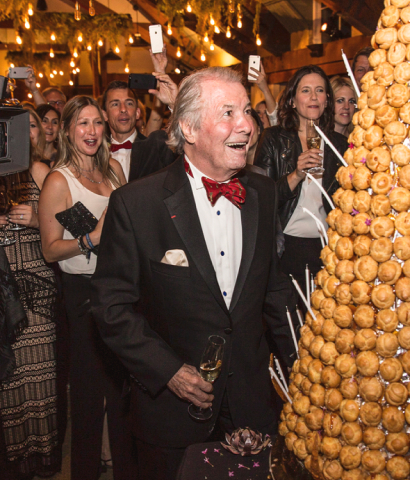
[[5, 206], [313, 141], [14, 188], [209, 369]]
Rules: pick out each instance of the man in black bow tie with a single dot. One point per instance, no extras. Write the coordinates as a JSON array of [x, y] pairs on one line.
[[187, 253]]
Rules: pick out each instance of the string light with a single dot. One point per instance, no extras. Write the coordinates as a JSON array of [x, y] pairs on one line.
[[55, 72], [72, 63], [77, 70], [188, 8], [211, 20], [212, 45], [131, 39], [169, 31], [228, 32], [30, 95], [12, 65], [71, 83], [91, 9], [18, 39], [26, 23], [117, 49], [80, 37], [77, 11], [75, 53], [51, 53], [258, 40], [61, 72], [53, 37], [239, 24], [89, 47], [177, 70], [127, 68], [203, 58], [40, 75], [179, 54], [38, 85], [51, 75], [30, 10], [206, 38], [216, 29], [100, 42]]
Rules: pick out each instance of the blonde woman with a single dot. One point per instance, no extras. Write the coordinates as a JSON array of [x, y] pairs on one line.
[[345, 104], [85, 173]]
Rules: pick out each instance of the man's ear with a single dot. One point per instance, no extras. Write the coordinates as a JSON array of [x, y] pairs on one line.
[[105, 115], [137, 113], [188, 131]]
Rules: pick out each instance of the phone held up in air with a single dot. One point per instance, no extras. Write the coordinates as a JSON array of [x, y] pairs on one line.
[[142, 81], [18, 72], [155, 34], [255, 62]]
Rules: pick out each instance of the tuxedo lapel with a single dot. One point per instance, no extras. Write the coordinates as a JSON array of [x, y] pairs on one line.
[[182, 209]]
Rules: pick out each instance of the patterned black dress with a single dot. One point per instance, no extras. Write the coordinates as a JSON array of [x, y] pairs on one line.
[[28, 397]]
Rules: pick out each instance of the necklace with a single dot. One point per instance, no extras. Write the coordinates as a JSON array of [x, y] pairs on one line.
[[91, 180], [87, 171]]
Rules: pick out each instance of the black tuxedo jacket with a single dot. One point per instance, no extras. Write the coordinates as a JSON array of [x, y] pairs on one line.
[[157, 316]]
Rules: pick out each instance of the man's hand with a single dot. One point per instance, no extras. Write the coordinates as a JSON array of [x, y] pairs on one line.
[[167, 90], [30, 81], [159, 60], [188, 385]]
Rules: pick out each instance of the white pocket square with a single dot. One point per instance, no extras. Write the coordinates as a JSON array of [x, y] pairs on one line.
[[175, 257]]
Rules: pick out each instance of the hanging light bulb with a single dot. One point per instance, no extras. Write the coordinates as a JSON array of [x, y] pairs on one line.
[[91, 9], [179, 54], [211, 20], [53, 37], [188, 8], [51, 53], [40, 75], [77, 11], [239, 24], [131, 39], [206, 38], [212, 46], [77, 70], [12, 65], [30, 95], [231, 7], [55, 72], [177, 70], [127, 68], [89, 47], [228, 32], [80, 37], [30, 10], [117, 49], [203, 58], [75, 53], [216, 29], [258, 40], [72, 63], [169, 31], [26, 23], [18, 39], [61, 73], [71, 83], [51, 75], [100, 42], [38, 85]]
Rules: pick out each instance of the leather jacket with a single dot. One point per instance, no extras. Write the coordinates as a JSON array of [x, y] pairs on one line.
[[278, 152]]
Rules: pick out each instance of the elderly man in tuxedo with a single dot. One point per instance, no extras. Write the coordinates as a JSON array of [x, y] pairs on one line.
[[156, 313]]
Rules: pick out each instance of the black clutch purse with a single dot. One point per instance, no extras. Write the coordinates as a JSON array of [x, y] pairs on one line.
[[78, 220]]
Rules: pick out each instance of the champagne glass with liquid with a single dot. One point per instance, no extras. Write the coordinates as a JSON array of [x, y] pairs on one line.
[[209, 369], [14, 194], [313, 140], [5, 206]]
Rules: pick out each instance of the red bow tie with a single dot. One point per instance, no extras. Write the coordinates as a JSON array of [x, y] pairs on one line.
[[232, 190], [117, 146]]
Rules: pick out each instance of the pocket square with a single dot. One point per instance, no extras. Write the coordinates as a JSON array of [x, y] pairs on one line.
[[175, 257]]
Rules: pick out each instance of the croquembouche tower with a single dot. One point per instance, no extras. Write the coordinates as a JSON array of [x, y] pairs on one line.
[[350, 387]]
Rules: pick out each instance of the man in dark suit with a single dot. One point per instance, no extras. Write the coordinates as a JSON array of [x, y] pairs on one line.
[[187, 253]]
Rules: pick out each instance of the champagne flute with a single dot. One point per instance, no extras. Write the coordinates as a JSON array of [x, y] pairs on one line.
[[313, 141], [14, 190], [209, 369], [5, 206]]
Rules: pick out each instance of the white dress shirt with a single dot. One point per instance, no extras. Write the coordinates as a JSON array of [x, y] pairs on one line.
[[222, 228], [123, 155]]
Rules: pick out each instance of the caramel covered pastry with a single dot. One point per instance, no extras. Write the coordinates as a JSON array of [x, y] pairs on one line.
[[405, 361], [333, 237], [396, 394], [345, 341], [383, 75], [389, 17], [343, 295], [309, 461], [373, 461], [366, 118], [332, 470], [400, 155], [349, 410], [404, 176], [397, 95], [297, 379], [317, 396], [361, 201], [367, 363], [291, 419], [403, 289], [345, 365], [342, 317], [325, 252], [290, 439], [364, 316], [316, 298], [350, 457], [333, 399], [371, 414], [346, 201], [376, 98], [393, 419], [330, 378], [327, 307], [362, 101], [328, 353], [344, 225], [370, 389], [299, 449], [401, 73], [378, 160], [332, 424], [361, 245], [344, 247], [404, 34], [374, 438], [315, 370], [381, 183], [405, 15], [397, 52], [304, 364], [352, 432], [305, 386], [403, 313], [398, 443], [389, 272], [361, 223], [360, 292], [354, 474], [314, 419], [365, 268], [349, 155], [380, 205], [331, 447], [395, 133], [283, 429], [357, 136], [407, 414], [402, 247], [322, 274], [330, 262], [365, 339], [330, 284], [402, 223], [400, 199], [404, 338], [373, 137], [387, 320], [344, 271], [383, 296], [386, 37], [344, 176], [386, 114], [301, 428], [301, 404], [377, 57], [349, 388], [369, 78], [330, 329], [404, 114], [338, 193], [399, 3], [381, 249]]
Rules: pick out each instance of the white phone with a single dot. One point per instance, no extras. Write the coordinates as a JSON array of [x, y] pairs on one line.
[[255, 62], [18, 72], [155, 33]]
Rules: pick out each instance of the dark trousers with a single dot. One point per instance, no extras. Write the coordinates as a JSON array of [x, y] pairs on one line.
[[95, 374]]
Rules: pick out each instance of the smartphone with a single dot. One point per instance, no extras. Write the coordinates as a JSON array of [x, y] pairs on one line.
[[18, 72], [255, 62], [142, 81], [155, 33]]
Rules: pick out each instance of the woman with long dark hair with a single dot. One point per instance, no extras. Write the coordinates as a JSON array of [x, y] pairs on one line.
[[283, 152], [50, 119]]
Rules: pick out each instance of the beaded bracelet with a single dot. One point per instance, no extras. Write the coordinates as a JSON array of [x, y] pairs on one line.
[[90, 243], [82, 248]]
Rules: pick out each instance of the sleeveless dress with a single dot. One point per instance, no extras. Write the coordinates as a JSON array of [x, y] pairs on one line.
[[28, 397]]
